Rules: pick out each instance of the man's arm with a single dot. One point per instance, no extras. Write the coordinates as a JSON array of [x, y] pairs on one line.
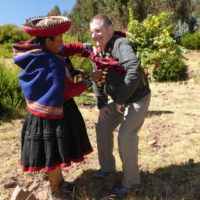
[[131, 64]]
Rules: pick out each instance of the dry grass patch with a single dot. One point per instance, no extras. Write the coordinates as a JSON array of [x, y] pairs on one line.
[[169, 137], [9, 62], [193, 63]]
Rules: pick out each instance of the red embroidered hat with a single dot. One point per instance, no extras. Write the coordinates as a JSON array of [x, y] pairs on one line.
[[47, 26]]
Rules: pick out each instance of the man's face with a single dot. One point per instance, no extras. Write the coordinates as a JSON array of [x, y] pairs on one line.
[[101, 34]]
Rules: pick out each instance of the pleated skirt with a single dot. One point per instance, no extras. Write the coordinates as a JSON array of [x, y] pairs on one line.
[[47, 143]]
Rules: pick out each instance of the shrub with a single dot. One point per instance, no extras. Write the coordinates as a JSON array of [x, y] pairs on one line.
[[191, 41], [192, 22], [180, 30], [171, 70], [6, 50], [10, 33], [11, 96], [152, 41]]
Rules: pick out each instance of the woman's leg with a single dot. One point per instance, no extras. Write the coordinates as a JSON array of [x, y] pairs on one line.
[[55, 177], [59, 188]]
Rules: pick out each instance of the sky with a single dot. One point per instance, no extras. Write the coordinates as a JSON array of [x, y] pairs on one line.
[[17, 11]]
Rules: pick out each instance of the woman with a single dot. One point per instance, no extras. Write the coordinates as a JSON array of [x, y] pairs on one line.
[[48, 139]]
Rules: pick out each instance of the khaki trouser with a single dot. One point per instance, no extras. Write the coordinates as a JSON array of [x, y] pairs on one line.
[[131, 122]]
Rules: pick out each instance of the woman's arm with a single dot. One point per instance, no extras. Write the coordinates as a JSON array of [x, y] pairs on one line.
[[70, 49], [74, 89]]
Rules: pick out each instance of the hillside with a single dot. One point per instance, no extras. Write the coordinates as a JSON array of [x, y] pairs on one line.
[[168, 139]]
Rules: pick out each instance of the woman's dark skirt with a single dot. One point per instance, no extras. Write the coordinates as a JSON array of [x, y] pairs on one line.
[[47, 143]]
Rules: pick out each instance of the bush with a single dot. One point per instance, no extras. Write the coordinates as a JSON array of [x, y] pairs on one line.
[[152, 41], [11, 96], [171, 70], [191, 41], [6, 50], [192, 22], [180, 30], [10, 33]]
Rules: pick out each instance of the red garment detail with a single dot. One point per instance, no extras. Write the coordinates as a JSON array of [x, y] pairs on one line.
[[77, 160], [33, 169], [72, 49], [73, 89], [88, 152], [39, 114], [156, 66], [154, 71], [103, 63], [121, 33], [61, 165], [40, 31], [81, 159]]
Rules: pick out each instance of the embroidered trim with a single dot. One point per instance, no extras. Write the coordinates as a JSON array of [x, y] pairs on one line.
[[18, 53], [43, 109]]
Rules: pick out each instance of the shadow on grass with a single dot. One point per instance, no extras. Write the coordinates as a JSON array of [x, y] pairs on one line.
[[157, 113], [175, 182], [9, 115]]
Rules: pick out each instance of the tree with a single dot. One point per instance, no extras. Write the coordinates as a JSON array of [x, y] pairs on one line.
[[54, 11], [118, 11], [10, 33], [65, 13], [82, 12]]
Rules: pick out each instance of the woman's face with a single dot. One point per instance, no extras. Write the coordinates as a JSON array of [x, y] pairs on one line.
[[55, 44]]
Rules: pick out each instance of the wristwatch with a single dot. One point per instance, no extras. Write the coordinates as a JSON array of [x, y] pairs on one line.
[[87, 46]]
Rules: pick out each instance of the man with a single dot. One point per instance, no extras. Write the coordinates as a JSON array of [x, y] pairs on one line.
[[130, 97]]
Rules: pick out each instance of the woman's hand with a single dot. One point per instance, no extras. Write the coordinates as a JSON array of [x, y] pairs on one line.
[[83, 73], [96, 75]]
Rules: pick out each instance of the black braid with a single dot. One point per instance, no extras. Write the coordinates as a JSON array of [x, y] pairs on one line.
[[41, 40]]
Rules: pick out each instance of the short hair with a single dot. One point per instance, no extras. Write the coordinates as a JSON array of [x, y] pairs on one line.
[[106, 21]]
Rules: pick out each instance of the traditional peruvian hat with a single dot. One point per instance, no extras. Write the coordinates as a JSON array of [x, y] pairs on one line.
[[47, 26]]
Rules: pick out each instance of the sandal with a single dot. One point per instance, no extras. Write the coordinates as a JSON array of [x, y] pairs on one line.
[[67, 186], [63, 193]]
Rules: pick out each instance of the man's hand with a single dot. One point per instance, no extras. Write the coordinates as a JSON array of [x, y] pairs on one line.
[[96, 75], [96, 51], [103, 115], [119, 107]]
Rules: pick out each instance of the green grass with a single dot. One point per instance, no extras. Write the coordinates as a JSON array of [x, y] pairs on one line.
[[84, 98]]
